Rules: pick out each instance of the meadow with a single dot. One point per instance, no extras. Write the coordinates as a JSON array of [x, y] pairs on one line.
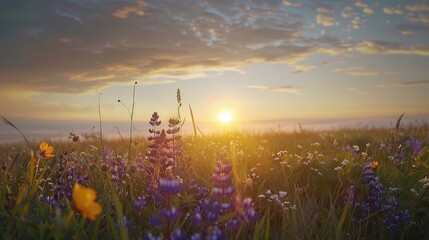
[[369, 183]]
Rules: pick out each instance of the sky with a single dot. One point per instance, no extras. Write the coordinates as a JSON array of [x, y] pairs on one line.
[[264, 61]]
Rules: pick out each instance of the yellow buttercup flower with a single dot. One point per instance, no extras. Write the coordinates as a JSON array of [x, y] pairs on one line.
[[46, 150], [374, 165], [84, 201]]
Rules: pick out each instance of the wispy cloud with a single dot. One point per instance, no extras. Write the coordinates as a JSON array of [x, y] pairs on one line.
[[370, 73], [383, 47], [392, 10], [126, 11], [302, 69], [412, 83], [325, 10], [135, 40], [326, 21], [404, 84], [348, 12], [285, 89], [417, 7]]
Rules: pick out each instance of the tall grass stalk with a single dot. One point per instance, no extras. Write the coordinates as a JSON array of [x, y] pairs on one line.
[[131, 114], [193, 122]]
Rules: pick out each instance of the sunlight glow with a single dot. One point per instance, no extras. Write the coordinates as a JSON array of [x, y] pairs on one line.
[[225, 117]]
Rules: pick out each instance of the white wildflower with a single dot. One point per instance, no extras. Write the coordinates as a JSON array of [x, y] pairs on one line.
[[338, 168], [282, 194]]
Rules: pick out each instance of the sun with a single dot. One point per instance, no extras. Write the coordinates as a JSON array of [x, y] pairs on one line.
[[225, 117]]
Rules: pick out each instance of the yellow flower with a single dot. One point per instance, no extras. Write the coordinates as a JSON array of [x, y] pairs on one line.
[[84, 201], [374, 165], [46, 150]]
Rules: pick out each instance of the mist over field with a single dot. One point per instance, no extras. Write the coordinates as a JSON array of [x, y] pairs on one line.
[[38, 130]]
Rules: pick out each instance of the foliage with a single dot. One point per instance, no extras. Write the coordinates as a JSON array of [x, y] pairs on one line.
[[355, 184]]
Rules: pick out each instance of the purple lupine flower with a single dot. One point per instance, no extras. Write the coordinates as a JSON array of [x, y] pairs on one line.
[[140, 203], [374, 200], [196, 236], [149, 236], [172, 214], [177, 235], [415, 145], [376, 188], [169, 186], [217, 233], [168, 214], [350, 195], [394, 219]]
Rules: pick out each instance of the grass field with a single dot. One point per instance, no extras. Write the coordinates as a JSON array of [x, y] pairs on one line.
[[344, 184]]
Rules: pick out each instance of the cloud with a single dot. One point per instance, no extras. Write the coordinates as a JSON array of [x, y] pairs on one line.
[[356, 21], [403, 84], [349, 69], [392, 10], [364, 71], [412, 83], [325, 10], [302, 69], [407, 33], [417, 7], [348, 12], [88, 44], [421, 19], [360, 4], [285, 89], [382, 47], [369, 73], [368, 11], [290, 3], [326, 21], [126, 11]]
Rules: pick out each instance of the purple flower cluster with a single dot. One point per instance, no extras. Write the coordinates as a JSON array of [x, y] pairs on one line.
[[221, 203], [245, 213], [350, 197], [395, 219], [415, 145], [376, 188], [373, 201], [140, 203], [165, 148], [168, 214], [199, 191]]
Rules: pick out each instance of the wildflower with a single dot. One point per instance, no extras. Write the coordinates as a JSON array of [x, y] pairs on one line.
[[170, 186], [424, 181], [374, 165], [395, 219], [84, 201], [338, 168], [46, 151], [415, 192]]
